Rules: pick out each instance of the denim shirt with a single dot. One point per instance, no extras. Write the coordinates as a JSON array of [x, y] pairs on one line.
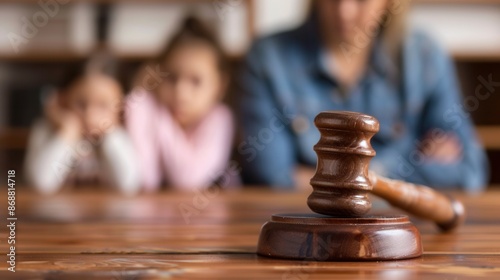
[[285, 83]]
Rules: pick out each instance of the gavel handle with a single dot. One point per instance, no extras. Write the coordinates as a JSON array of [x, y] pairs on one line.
[[420, 201]]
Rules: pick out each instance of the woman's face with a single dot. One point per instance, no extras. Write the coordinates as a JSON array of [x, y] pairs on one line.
[[193, 85], [344, 20]]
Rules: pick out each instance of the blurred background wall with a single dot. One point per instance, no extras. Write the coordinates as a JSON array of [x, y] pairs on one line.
[[40, 40]]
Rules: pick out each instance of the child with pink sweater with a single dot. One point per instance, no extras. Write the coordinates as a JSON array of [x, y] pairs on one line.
[[181, 131]]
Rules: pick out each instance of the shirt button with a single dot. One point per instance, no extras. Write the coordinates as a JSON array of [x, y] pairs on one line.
[[300, 124]]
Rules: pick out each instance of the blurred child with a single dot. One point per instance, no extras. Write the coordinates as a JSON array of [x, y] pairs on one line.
[[80, 140], [181, 130]]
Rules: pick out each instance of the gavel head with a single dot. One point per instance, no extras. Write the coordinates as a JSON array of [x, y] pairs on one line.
[[341, 184]]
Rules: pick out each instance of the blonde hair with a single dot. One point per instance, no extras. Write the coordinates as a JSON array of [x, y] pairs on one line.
[[393, 31]]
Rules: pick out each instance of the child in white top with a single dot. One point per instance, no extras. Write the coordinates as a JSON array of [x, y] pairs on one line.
[[80, 140]]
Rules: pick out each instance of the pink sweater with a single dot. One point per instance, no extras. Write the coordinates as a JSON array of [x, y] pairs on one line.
[[165, 151]]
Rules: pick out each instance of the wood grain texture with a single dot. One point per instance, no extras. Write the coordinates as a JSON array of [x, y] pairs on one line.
[[98, 235], [341, 184], [315, 237], [448, 213], [342, 180]]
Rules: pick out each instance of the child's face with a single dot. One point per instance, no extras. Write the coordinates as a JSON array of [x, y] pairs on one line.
[[94, 100], [194, 83]]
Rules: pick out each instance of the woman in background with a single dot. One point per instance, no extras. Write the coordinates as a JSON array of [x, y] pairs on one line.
[[356, 56], [181, 130], [80, 140]]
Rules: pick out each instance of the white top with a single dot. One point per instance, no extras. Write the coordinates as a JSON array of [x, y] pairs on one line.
[[52, 162]]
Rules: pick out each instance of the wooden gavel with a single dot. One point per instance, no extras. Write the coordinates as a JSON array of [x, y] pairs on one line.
[[343, 180]]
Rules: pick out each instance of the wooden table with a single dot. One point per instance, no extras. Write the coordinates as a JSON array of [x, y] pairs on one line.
[[213, 235]]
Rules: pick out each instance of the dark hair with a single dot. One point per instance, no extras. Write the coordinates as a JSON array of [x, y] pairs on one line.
[[98, 63], [194, 30]]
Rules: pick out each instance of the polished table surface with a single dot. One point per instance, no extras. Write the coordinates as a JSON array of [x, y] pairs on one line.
[[213, 235]]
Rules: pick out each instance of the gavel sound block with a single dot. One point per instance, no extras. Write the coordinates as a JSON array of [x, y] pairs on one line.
[[339, 230]]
